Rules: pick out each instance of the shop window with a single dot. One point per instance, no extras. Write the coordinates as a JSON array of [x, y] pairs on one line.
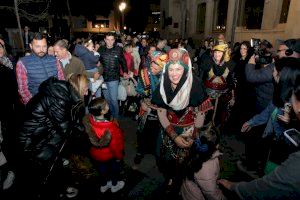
[[102, 23]]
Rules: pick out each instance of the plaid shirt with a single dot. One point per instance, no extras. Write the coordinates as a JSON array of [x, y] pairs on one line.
[[21, 74]]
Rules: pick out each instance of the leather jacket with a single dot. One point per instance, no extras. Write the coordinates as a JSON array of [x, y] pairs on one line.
[[50, 116]]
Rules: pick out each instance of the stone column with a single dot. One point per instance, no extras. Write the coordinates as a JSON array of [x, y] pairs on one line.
[[292, 29], [230, 19], [271, 12], [209, 17], [192, 17]]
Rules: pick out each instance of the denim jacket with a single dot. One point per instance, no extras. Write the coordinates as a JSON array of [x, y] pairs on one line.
[[269, 116]]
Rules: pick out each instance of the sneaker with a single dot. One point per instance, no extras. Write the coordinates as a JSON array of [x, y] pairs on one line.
[[119, 186], [243, 168], [9, 180], [71, 192], [106, 187]]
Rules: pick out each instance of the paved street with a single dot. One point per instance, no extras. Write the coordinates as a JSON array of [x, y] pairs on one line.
[[147, 181]]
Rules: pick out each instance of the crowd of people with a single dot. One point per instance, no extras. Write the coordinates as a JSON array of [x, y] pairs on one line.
[[67, 98]]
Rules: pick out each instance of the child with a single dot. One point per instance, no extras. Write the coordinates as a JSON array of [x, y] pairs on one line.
[[202, 170], [109, 155]]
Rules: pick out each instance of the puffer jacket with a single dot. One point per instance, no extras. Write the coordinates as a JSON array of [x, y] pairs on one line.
[[50, 115], [111, 60], [115, 148], [88, 57]]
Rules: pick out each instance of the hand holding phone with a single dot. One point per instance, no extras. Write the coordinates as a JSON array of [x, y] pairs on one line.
[[293, 135]]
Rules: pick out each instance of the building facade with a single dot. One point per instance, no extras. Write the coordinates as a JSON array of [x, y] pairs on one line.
[[238, 20]]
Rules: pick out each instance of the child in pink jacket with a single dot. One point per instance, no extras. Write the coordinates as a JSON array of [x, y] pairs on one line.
[[202, 171]]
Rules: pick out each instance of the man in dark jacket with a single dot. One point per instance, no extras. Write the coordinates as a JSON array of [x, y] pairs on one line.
[[112, 58], [51, 117]]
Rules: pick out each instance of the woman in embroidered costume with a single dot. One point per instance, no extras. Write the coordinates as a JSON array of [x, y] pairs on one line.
[[182, 103], [148, 124], [216, 73]]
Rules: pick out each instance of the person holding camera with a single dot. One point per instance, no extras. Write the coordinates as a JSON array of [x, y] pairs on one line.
[[283, 182], [258, 73], [276, 115]]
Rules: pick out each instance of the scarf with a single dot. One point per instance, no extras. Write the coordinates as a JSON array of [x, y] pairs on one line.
[[6, 62], [66, 61], [180, 97]]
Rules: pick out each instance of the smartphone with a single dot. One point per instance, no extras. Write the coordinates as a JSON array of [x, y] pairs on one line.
[[293, 135]]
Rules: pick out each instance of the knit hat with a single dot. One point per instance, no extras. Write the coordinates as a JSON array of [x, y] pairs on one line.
[[159, 58]]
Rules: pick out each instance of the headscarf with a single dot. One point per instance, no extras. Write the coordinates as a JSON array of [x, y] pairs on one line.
[[159, 58], [223, 47], [4, 60], [147, 79], [180, 97]]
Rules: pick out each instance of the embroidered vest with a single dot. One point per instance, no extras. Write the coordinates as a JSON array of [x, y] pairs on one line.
[[214, 82]]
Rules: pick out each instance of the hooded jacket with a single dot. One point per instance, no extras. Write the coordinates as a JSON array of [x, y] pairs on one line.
[[115, 148]]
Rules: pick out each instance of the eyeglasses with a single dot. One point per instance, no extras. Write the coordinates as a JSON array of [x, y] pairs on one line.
[[279, 50]]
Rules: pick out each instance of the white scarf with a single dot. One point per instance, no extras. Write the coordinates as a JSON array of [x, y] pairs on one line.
[[182, 98]]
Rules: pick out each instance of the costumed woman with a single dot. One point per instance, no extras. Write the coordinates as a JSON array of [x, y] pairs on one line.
[[182, 103], [148, 123], [217, 74]]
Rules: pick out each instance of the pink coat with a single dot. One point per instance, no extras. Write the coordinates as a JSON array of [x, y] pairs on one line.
[[205, 184]]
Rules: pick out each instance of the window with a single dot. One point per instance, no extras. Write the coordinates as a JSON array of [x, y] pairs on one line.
[[80, 23], [201, 17], [284, 11], [101, 23], [220, 15], [252, 13]]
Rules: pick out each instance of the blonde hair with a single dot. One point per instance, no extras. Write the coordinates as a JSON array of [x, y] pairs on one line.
[[79, 83]]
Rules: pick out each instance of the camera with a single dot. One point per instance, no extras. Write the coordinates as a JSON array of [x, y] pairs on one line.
[[262, 55]]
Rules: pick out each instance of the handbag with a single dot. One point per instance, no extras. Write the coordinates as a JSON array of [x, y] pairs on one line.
[[122, 94], [129, 85]]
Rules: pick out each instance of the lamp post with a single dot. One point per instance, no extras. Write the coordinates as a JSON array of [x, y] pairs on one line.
[[122, 7]]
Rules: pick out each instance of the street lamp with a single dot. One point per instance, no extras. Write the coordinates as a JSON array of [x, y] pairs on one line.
[[122, 7]]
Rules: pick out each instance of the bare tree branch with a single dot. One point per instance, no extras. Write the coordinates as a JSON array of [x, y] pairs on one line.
[[25, 14]]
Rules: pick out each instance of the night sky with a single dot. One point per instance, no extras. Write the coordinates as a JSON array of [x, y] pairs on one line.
[[136, 13]]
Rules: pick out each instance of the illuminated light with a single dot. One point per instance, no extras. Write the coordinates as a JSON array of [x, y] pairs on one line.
[[122, 6]]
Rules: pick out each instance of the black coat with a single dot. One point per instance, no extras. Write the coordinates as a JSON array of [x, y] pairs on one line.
[[50, 115]]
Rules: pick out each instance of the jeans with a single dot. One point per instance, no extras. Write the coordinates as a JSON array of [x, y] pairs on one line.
[[111, 96], [110, 171]]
